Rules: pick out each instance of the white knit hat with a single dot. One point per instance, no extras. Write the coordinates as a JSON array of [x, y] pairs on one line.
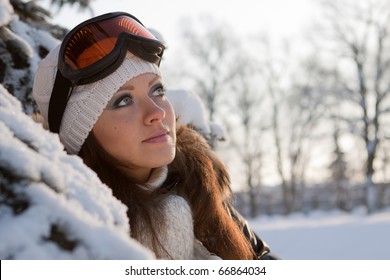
[[87, 101]]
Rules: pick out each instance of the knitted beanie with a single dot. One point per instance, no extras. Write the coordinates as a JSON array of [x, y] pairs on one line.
[[86, 102]]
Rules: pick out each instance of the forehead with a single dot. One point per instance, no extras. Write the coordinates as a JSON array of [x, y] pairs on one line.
[[147, 79]]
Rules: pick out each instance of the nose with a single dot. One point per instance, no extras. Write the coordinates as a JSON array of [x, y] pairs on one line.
[[153, 112]]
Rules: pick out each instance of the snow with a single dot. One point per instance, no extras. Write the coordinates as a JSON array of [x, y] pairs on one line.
[[190, 109], [54, 207], [327, 235], [6, 12], [61, 191], [22, 46], [51, 205], [32, 38]]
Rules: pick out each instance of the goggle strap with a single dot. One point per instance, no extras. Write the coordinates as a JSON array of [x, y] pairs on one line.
[[58, 101]]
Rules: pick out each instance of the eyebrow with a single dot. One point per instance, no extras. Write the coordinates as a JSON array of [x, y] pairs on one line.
[[152, 81], [131, 87]]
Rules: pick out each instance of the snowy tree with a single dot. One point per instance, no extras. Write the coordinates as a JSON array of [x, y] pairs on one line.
[[25, 38], [84, 4], [297, 107], [51, 205], [209, 60], [360, 33], [248, 124]]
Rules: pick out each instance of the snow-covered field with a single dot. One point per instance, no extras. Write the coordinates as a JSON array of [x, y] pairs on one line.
[[327, 236]]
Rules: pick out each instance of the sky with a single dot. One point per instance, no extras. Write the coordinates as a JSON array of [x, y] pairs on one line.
[[277, 18]]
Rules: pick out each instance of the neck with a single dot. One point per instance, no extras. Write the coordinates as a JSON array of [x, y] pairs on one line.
[[153, 177], [138, 175]]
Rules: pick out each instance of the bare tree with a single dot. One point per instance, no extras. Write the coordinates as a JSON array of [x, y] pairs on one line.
[[248, 106], [361, 33], [210, 48], [297, 107], [273, 72]]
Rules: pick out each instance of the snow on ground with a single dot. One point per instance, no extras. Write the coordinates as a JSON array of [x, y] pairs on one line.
[[327, 236], [5, 12]]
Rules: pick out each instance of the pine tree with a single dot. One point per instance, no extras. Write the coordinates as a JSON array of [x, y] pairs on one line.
[[26, 36]]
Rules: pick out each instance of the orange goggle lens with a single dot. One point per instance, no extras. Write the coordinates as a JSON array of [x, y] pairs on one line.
[[93, 50], [96, 40]]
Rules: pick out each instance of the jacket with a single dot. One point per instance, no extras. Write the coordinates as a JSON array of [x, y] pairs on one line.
[[179, 241], [260, 247], [206, 169]]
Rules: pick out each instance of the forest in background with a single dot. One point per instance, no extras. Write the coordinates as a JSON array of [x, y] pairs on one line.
[[306, 126]]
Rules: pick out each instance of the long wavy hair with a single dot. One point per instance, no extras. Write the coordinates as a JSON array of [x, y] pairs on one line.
[[197, 175]]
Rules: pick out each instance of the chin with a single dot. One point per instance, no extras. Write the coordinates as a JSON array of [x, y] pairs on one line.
[[165, 159]]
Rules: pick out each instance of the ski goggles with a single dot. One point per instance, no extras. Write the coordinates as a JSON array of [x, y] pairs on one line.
[[93, 50]]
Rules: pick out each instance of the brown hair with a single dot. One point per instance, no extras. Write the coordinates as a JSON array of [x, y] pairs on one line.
[[144, 207], [205, 183], [200, 177]]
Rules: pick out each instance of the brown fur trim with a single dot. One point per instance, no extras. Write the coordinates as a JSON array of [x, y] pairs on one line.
[[205, 183]]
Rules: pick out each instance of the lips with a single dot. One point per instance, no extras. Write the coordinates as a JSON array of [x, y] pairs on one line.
[[158, 136]]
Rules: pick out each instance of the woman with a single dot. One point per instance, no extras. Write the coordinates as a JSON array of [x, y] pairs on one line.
[[103, 93]]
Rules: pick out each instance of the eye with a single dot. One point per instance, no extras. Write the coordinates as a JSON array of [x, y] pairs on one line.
[[123, 101], [158, 91]]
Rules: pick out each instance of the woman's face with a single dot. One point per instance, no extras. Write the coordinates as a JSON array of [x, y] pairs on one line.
[[137, 128]]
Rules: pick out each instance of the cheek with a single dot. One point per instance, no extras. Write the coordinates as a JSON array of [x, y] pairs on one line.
[[170, 115], [115, 131], [170, 120], [106, 132]]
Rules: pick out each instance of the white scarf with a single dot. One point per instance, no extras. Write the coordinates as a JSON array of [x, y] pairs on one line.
[[178, 239]]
